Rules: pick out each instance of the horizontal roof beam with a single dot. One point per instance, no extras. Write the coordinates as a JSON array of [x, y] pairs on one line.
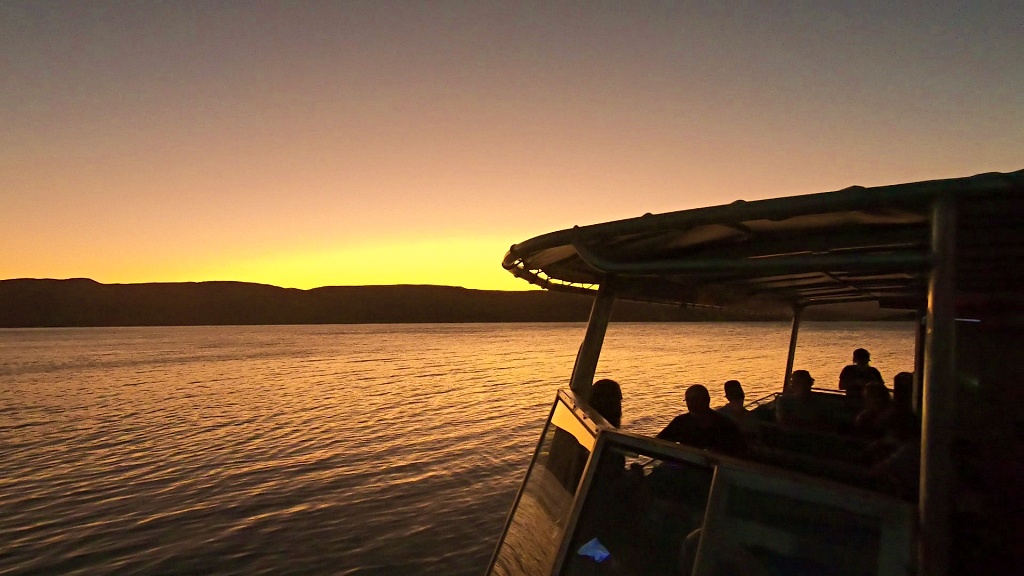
[[796, 264], [780, 243]]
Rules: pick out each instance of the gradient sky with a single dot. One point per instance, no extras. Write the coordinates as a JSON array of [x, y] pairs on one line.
[[306, 144]]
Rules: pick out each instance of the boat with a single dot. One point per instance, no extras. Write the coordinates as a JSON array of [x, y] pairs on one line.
[[947, 254]]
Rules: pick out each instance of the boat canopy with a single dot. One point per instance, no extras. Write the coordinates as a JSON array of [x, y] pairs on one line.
[[855, 249]]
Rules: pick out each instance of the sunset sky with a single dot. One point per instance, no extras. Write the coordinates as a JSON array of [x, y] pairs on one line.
[[338, 143]]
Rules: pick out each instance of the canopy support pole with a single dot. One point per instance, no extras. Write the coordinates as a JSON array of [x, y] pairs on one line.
[[939, 396], [798, 311], [586, 360], [920, 332]]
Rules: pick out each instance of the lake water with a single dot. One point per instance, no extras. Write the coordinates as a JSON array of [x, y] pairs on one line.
[[370, 449]]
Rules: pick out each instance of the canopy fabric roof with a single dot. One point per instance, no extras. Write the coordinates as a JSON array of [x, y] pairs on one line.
[[841, 248]]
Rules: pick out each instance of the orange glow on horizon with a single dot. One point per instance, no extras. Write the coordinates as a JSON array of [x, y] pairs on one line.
[[322, 144], [449, 262], [467, 263]]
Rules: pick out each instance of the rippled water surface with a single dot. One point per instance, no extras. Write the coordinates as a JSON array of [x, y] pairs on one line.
[[326, 449]]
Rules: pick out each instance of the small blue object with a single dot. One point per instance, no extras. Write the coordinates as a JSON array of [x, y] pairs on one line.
[[595, 550]]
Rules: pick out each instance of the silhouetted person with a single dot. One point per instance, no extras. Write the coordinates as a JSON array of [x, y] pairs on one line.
[[893, 425], [899, 471], [797, 407], [567, 457], [702, 427], [877, 416], [606, 399], [903, 392], [856, 376], [737, 412], [903, 403]]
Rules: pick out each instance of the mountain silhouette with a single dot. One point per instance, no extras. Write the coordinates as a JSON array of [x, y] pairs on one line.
[[83, 302]]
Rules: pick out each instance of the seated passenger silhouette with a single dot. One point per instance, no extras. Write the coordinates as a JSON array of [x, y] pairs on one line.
[[737, 412], [903, 401], [567, 457], [899, 471], [606, 399], [797, 407], [702, 427], [903, 392], [856, 376], [878, 413]]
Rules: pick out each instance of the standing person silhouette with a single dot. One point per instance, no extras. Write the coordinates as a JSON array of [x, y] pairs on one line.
[[856, 376]]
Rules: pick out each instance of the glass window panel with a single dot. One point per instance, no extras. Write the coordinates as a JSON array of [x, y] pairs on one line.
[[535, 529], [638, 511], [763, 524]]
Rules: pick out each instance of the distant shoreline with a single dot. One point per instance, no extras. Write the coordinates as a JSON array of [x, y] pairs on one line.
[[81, 302]]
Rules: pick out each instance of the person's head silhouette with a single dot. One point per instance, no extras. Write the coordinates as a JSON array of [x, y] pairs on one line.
[[800, 382], [861, 357], [734, 391], [606, 398], [697, 399]]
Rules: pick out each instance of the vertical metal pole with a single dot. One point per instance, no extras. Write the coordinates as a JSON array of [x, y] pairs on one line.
[[797, 312], [920, 329], [590, 350], [939, 395]]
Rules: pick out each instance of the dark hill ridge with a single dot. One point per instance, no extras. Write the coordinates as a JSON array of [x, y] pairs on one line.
[[82, 302]]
